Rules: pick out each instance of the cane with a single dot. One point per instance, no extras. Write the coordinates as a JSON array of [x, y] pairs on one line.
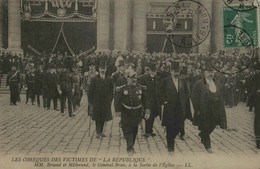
[[89, 127]]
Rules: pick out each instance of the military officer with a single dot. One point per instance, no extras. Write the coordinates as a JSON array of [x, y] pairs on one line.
[[132, 102], [13, 82]]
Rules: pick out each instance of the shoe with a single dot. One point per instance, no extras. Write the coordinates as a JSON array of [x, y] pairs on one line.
[[57, 109], [98, 136], [153, 134], [131, 152], [72, 115], [102, 135], [62, 114], [147, 135], [182, 138], [209, 150], [15, 104]]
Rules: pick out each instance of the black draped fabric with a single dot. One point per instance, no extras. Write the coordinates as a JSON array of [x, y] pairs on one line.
[[43, 36]]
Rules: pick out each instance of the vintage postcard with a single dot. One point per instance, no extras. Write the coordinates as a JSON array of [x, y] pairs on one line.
[[129, 84]]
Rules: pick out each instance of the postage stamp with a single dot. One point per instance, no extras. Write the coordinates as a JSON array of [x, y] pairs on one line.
[[241, 46], [188, 8], [246, 21], [241, 5]]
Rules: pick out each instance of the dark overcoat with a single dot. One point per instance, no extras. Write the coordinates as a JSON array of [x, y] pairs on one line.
[[153, 90], [176, 103], [100, 97], [200, 97], [51, 85], [38, 82]]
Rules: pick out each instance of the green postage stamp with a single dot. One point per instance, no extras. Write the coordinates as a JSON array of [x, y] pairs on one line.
[[242, 21]]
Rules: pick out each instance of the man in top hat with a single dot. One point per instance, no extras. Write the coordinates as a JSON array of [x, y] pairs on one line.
[[51, 82], [66, 86], [13, 83], [152, 84], [175, 99], [100, 99], [208, 104], [132, 102], [78, 86]]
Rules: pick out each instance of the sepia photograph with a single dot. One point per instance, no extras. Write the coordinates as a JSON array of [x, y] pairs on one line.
[[129, 84]]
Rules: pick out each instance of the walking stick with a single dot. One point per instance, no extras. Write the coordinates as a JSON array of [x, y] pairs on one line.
[[89, 127]]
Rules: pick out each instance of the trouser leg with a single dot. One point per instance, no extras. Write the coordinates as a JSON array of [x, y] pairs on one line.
[[70, 103], [257, 126], [48, 103], [63, 101], [130, 133], [38, 100], [171, 133], [99, 126], [55, 103], [149, 125]]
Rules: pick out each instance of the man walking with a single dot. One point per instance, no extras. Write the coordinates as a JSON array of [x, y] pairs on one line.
[[132, 102], [208, 104], [100, 99], [13, 82], [175, 99]]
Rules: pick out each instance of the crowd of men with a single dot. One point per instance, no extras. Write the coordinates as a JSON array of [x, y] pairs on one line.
[[143, 85]]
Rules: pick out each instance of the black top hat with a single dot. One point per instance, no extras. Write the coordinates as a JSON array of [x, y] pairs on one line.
[[68, 62], [121, 63], [175, 66], [208, 67], [184, 70], [152, 66]]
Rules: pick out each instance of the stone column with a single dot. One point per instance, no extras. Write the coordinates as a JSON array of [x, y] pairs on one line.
[[1, 23], [205, 46], [217, 26], [139, 26], [103, 14], [122, 25], [14, 25]]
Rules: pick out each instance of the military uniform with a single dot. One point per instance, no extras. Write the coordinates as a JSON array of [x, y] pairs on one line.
[[132, 102], [13, 81], [30, 85]]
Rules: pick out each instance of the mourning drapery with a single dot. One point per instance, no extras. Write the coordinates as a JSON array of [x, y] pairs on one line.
[[43, 36]]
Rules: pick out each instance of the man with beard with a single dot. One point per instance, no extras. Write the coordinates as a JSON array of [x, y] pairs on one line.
[[131, 103], [208, 104], [151, 83], [100, 99], [175, 99], [12, 83]]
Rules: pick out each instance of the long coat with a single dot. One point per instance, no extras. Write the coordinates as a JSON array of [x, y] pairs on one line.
[[200, 97], [38, 82], [100, 97], [153, 90], [177, 107], [51, 82]]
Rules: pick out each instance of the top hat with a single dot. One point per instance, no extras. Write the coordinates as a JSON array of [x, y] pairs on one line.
[[175, 66], [68, 62], [208, 67]]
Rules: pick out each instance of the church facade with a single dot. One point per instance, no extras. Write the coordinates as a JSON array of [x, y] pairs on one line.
[[119, 25]]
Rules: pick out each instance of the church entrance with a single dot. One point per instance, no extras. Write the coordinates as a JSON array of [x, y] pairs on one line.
[[59, 25]]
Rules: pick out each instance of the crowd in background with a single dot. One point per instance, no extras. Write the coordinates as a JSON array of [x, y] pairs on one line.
[[237, 86]]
